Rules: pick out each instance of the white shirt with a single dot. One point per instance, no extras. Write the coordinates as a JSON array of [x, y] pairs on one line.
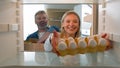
[[47, 44], [41, 34]]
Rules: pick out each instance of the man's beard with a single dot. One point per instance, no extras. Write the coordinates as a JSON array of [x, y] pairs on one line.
[[42, 25]]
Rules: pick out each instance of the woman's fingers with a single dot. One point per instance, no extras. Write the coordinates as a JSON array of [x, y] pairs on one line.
[[109, 42], [55, 34], [105, 35], [54, 44], [54, 41]]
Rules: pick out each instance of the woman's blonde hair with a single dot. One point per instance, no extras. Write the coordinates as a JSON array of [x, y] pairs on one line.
[[78, 33]]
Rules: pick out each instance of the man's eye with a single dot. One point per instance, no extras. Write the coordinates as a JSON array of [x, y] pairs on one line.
[[39, 18], [44, 18]]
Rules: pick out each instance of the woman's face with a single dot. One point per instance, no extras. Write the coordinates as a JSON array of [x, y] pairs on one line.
[[71, 24]]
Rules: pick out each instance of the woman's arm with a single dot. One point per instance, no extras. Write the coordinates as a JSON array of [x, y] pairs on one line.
[[54, 42]]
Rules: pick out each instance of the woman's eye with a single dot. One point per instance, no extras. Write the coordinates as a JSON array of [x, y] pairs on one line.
[[68, 21], [75, 21]]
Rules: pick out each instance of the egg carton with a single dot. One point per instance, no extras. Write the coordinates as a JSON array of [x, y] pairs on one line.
[[71, 46]]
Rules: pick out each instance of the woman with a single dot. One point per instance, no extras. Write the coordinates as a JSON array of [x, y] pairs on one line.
[[70, 27]]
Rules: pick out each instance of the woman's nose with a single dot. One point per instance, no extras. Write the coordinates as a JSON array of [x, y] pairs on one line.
[[71, 24]]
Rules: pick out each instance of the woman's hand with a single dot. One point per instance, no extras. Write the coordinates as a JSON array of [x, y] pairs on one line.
[[109, 42], [54, 42]]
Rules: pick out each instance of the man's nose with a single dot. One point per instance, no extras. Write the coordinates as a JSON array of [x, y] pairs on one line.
[[42, 19]]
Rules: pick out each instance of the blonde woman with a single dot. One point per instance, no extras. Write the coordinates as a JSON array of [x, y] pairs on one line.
[[70, 27]]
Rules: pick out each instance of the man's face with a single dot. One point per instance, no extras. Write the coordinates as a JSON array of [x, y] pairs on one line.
[[41, 20]]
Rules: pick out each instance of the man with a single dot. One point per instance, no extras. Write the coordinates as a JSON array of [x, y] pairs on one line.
[[41, 20]]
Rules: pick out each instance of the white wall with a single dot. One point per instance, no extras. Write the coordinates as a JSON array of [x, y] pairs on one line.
[[8, 42], [81, 9], [29, 18], [11, 41], [109, 21], [113, 16]]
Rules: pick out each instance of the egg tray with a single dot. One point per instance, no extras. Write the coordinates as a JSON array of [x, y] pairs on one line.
[[89, 48]]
